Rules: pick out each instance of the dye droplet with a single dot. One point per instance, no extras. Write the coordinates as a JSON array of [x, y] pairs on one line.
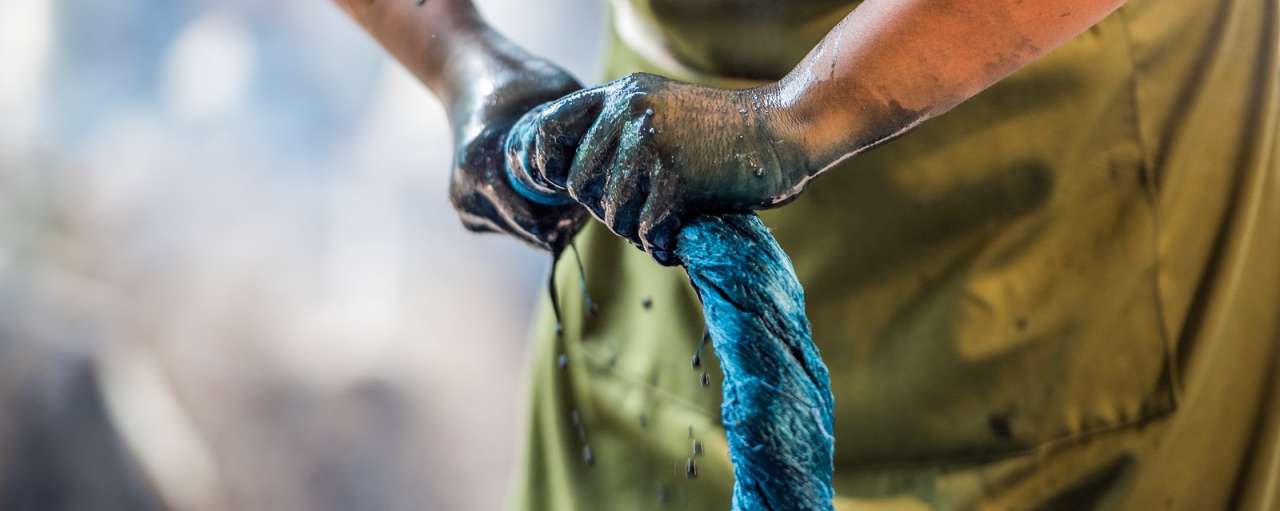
[[587, 456], [663, 496], [555, 297], [592, 308], [562, 361], [582, 436], [706, 379], [697, 354], [646, 302], [697, 447], [691, 469]]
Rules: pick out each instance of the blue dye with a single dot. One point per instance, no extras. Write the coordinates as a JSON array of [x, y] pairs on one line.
[[777, 409]]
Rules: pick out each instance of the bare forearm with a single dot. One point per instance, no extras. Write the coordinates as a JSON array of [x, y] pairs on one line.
[[894, 63], [444, 43]]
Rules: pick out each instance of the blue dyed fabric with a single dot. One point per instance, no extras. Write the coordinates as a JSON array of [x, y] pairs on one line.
[[777, 407]]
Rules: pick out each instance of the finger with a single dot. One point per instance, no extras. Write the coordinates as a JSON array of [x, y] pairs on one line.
[[626, 182], [659, 218], [478, 214], [544, 141], [594, 149], [487, 204], [587, 173]]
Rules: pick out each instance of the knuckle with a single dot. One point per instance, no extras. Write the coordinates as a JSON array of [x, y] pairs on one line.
[[636, 102], [629, 80], [637, 79], [632, 92]]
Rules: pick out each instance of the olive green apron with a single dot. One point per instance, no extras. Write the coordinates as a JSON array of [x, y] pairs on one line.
[[1061, 295]]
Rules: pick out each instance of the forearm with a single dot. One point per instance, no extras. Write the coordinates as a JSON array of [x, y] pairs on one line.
[[444, 43], [891, 64]]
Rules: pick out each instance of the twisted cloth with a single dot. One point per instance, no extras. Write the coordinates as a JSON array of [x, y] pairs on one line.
[[777, 408]]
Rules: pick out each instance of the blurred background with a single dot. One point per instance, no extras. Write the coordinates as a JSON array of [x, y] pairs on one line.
[[230, 277]]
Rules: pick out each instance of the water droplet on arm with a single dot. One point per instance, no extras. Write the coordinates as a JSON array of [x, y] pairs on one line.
[[706, 379], [646, 302], [691, 469]]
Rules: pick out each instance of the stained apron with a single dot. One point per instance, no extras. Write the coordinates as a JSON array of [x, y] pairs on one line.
[[1063, 294]]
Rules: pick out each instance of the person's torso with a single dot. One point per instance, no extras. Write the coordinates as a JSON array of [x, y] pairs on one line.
[[744, 39]]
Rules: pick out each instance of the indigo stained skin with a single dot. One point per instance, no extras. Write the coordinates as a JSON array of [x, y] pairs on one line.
[[485, 83], [646, 154], [481, 117]]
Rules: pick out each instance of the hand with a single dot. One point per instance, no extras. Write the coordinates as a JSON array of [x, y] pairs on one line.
[[491, 90], [644, 153]]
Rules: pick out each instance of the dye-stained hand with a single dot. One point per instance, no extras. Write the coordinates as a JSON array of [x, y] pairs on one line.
[[494, 93], [645, 153]]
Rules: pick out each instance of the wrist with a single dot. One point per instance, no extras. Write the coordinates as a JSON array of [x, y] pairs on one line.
[[788, 129], [833, 119], [424, 37], [479, 63]]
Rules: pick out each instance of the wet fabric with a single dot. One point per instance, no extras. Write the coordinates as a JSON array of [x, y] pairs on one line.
[[1060, 295], [777, 406]]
